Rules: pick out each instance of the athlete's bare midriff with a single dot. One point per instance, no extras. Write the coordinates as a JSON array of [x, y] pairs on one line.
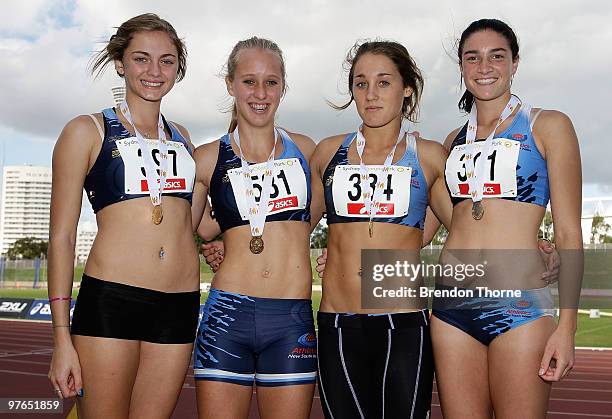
[[342, 280], [506, 237], [128, 244], [282, 270]]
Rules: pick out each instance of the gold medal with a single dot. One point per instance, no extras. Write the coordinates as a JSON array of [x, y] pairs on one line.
[[256, 245], [157, 216], [477, 210]]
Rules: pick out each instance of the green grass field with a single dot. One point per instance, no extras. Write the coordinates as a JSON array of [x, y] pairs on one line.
[[597, 270], [591, 332]]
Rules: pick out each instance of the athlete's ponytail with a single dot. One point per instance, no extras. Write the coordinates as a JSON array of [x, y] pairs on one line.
[[467, 100], [234, 121]]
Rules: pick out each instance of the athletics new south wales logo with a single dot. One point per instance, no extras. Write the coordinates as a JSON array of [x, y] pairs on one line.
[[306, 347]]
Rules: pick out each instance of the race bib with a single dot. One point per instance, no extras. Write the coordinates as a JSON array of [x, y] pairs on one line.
[[289, 189], [499, 172], [181, 167], [348, 194]]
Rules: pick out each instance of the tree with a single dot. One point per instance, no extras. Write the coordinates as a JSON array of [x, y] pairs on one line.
[[599, 229], [547, 230], [28, 248], [318, 238]]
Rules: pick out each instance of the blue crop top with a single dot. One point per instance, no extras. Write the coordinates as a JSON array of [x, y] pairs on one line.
[[419, 191], [222, 194], [531, 170], [105, 182]]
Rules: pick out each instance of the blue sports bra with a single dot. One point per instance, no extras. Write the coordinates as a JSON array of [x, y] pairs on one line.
[[419, 190], [105, 182], [283, 200], [531, 171]]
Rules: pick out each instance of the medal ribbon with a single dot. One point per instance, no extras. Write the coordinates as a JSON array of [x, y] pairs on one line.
[[475, 176], [257, 212], [155, 183], [371, 198]]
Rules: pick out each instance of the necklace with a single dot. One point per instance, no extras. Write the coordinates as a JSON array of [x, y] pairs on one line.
[[155, 181], [257, 211]]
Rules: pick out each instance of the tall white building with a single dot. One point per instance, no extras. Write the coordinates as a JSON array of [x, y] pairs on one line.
[[26, 199], [86, 234], [118, 94]]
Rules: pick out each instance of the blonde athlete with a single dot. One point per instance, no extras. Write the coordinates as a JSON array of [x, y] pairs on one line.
[[257, 325]]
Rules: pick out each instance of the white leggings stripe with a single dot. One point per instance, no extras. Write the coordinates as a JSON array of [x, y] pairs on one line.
[[321, 383], [385, 374], [418, 375], [346, 373]]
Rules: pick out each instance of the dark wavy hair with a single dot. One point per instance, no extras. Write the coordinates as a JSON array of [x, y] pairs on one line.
[[502, 28], [396, 52]]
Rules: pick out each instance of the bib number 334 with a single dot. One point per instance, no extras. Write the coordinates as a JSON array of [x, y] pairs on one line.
[[394, 198]]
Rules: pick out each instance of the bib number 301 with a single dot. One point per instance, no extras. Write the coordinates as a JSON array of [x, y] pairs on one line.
[[499, 171]]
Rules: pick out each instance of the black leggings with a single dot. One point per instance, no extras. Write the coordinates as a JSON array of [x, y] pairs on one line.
[[374, 367]]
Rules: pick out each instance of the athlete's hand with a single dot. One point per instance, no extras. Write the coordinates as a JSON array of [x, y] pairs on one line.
[[321, 261], [558, 357], [213, 253], [551, 260], [65, 372]]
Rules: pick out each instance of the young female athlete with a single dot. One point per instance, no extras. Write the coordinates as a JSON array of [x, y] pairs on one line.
[[128, 348], [373, 362], [502, 358], [257, 325]]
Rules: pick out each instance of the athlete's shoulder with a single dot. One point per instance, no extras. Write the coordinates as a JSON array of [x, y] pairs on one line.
[[182, 130], [304, 143], [206, 150], [451, 137], [205, 156], [328, 146], [554, 129], [83, 128], [325, 150], [551, 119], [332, 142], [431, 148], [78, 137], [432, 154]]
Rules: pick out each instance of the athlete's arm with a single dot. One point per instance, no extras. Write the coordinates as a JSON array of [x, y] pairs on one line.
[[439, 201], [554, 132], [205, 159], [432, 222], [317, 205], [72, 158]]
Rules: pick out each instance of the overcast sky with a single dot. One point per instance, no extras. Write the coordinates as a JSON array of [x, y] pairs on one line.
[[46, 45]]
